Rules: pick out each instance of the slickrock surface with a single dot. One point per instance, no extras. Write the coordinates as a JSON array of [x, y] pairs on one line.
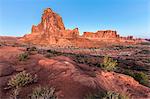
[[71, 80], [51, 31]]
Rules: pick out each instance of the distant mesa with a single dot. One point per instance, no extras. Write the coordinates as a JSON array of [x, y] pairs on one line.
[[51, 31]]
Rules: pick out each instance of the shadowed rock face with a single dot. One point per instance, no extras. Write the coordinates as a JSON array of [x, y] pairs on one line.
[[51, 31]]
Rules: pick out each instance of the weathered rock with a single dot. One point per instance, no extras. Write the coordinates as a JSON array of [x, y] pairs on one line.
[[5, 69], [108, 34], [99, 79], [50, 22], [51, 31]]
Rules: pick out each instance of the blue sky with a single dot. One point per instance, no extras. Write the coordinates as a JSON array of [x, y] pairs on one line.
[[128, 17]]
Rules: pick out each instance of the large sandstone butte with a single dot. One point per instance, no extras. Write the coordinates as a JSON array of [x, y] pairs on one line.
[[51, 31]]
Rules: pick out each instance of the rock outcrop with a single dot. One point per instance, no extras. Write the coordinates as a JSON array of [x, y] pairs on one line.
[[50, 22], [71, 79], [110, 36], [83, 74], [51, 31]]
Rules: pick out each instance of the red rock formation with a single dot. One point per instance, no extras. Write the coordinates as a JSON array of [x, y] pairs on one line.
[[110, 36], [68, 76], [50, 22], [101, 34], [106, 80], [51, 31]]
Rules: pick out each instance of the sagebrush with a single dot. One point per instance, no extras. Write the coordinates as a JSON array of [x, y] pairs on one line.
[[109, 64], [43, 93]]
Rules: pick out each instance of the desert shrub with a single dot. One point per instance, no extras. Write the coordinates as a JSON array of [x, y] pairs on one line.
[[52, 53], [145, 43], [15, 93], [23, 56], [79, 58], [141, 77], [113, 95], [43, 93], [21, 79], [31, 49], [128, 72], [144, 52], [109, 64], [106, 95], [49, 55], [98, 95]]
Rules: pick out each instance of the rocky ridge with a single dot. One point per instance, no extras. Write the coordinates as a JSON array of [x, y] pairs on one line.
[[71, 80], [51, 31]]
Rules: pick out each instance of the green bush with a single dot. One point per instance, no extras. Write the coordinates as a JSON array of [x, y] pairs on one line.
[[109, 64], [23, 56], [21, 79], [128, 72], [141, 77], [43, 93]]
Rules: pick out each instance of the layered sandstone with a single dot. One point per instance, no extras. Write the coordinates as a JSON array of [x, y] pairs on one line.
[[51, 31], [107, 34], [110, 36]]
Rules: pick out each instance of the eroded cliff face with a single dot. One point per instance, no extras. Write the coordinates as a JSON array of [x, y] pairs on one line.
[[51, 31], [110, 36], [107, 34], [50, 22]]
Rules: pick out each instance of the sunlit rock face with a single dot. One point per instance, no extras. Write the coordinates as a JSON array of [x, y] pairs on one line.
[[51, 23], [101, 34], [51, 31], [110, 36]]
